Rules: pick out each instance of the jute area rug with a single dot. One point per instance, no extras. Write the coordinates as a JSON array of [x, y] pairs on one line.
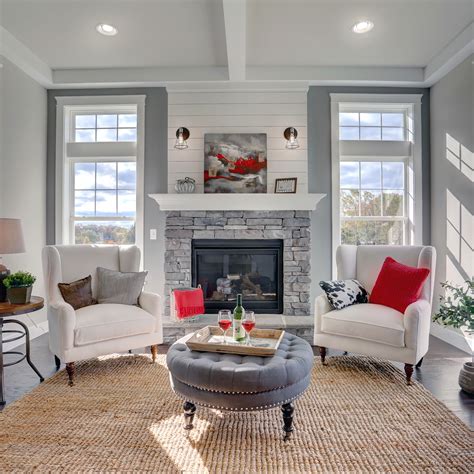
[[357, 416]]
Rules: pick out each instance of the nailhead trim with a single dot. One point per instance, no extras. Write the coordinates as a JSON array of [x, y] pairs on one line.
[[263, 407]]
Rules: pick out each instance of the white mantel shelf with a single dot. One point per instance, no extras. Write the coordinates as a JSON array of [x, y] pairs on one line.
[[237, 202]]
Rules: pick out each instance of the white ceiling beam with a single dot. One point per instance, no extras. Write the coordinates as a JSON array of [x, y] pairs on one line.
[[16, 52], [235, 21], [136, 77], [337, 75], [450, 56]]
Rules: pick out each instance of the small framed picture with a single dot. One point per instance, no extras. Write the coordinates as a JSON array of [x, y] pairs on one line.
[[285, 185]]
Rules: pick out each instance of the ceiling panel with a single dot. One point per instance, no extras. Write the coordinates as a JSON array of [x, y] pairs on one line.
[[151, 32], [318, 32]]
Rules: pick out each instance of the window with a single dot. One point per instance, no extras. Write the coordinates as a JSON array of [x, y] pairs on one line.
[[376, 169], [372, 126], [372, 203], [104, 202], [106, 127], [101, 173]]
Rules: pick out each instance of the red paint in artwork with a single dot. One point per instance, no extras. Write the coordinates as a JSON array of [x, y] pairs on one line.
[[241, 166]]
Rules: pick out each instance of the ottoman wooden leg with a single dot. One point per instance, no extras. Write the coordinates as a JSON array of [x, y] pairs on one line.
[[189, 411], [287, 409]]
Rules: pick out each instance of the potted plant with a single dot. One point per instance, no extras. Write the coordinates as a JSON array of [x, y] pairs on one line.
[[19, 286], [457, 310]]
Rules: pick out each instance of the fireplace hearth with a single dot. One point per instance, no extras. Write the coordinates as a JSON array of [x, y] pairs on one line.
[[226, 267]]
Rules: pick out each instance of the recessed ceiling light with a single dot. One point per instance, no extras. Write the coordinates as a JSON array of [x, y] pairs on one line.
[[363, 26], [106, 30]]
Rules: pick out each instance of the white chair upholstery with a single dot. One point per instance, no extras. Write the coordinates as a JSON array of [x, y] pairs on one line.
[[372, 329], [99, 329]]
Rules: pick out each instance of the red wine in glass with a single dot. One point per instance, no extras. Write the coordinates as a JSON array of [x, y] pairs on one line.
[[248, 323], [225, 324]]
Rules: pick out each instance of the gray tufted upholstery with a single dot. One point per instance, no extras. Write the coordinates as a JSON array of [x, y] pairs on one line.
[[241, 382]]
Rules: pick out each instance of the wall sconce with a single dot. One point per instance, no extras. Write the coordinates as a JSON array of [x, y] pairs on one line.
[[290, 134], [182, 134]]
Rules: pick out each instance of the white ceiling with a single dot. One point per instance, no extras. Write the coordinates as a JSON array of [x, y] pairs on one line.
[[170, 41], [151, 33], [318, 32]]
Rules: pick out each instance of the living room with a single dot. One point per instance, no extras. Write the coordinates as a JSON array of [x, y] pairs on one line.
[[216, 207]]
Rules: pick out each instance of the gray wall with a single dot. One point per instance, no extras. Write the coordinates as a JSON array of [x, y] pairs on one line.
[[23, 167], [452, 106], [319, 168], [156, 169]]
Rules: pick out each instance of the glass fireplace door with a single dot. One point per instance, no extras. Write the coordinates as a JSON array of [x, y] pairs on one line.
[[225, 268]]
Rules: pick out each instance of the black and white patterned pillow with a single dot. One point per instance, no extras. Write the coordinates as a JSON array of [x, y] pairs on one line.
[[343, 293]]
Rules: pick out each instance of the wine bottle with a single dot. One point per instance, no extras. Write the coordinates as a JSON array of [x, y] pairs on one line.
[[239, 313]]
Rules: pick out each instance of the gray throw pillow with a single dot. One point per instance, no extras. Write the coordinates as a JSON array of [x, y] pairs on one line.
[[119, 287]]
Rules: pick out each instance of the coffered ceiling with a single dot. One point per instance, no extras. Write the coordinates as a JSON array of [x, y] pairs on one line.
[[178, 42]]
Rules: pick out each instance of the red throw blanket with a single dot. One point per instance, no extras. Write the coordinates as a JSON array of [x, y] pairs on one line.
[[189, 302]]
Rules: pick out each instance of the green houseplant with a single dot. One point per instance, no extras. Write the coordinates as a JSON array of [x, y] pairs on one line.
[[19, 286], [457, 310]]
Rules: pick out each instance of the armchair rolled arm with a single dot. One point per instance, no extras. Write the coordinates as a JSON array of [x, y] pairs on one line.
[[151, 303], [321, 306], [417, 320], [62, 321]]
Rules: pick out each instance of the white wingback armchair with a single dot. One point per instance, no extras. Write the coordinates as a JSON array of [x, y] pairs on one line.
[[98, 329], [373, 329]]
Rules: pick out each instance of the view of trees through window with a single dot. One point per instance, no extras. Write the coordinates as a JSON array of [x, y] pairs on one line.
[[372, 202], [122, 233], [104, 202]]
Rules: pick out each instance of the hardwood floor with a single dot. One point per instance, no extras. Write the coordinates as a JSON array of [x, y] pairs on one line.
[[439, 374]]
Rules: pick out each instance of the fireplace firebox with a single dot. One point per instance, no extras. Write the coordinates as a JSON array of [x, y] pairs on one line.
[[225, 268]]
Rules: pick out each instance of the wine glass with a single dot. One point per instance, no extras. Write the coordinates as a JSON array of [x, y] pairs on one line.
[[225, 322], [248, 323]]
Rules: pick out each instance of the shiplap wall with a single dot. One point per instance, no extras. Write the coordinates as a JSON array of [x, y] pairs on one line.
[[238, 112]]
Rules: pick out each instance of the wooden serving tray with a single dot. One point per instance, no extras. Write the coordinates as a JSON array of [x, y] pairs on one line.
[[265, 342]]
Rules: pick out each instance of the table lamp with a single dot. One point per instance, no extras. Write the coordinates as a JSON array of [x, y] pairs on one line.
[[11, 241]]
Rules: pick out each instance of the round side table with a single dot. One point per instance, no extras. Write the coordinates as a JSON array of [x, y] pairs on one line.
[[7, 310]]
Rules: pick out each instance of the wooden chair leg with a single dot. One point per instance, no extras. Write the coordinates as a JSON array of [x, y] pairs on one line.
[[57, 362], [322, 352], [408, 373], [71, 371], [154, 352], [419, 363]]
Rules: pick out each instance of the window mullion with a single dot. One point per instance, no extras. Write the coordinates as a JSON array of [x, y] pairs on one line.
[[360, 188], [116, 185], [95, 189], [382, 203]]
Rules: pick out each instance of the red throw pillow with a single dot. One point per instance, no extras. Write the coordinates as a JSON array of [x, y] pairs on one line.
[[398, 285]]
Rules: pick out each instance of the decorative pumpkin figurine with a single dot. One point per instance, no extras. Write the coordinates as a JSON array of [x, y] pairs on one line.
[[185, 186]]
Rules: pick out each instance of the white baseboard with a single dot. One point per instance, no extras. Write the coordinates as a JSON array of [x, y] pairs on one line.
[[451, 336], [35, 331]]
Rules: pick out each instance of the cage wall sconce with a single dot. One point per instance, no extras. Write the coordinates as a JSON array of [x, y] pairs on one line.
[[182, 135], [290, 134]]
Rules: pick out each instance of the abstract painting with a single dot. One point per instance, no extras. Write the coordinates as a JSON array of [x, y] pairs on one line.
[[235, 163]]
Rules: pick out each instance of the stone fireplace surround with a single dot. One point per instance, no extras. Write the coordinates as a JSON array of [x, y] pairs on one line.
[[293, 227]]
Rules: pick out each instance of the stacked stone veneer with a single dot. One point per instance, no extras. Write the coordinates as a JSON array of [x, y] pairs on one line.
[[293, 227]]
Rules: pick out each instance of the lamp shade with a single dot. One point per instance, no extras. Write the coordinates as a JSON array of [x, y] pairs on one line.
[[11, 236]]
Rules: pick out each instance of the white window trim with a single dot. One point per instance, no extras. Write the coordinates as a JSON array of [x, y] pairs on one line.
[[412, 102], [64, 106]]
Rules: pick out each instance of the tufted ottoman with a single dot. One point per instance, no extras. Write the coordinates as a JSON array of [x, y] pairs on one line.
[[241, 383]]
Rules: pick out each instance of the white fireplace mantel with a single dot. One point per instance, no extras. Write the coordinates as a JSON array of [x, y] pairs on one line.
[[229, 202]]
